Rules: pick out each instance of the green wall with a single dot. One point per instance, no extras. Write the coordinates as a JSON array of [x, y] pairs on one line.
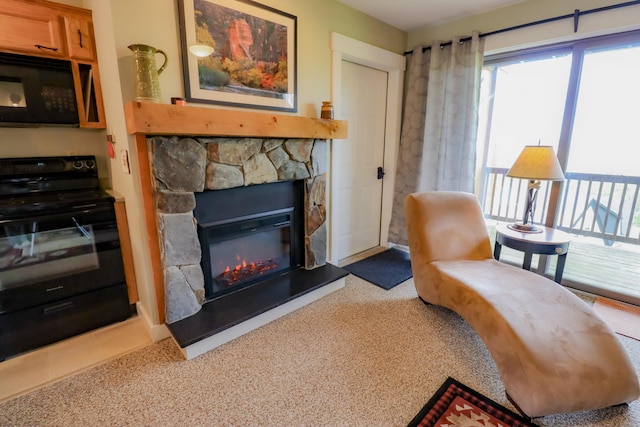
[[133, 23]]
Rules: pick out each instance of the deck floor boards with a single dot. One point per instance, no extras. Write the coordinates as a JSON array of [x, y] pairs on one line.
[[590, 261]]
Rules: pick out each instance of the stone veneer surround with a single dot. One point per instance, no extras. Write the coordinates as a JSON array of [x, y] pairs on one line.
[[183, 165]]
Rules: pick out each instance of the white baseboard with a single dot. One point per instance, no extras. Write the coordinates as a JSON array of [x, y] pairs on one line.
[[156, 332]]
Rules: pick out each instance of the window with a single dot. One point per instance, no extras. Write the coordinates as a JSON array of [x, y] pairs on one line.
[[583, 99], [607, 113]]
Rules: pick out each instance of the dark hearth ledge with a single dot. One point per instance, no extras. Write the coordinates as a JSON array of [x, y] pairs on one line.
[[223, 313]]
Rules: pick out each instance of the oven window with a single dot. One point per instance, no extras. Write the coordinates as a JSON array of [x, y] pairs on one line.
[[28, 256]]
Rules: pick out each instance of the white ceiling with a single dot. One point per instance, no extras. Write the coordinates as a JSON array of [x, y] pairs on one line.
[[411, 14]]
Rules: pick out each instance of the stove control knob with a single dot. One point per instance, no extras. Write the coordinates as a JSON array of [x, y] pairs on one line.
[[77, 164], [90, 164]]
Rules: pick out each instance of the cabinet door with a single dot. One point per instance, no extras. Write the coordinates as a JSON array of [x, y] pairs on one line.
[[79, 37], [88, 94], [27, 28]]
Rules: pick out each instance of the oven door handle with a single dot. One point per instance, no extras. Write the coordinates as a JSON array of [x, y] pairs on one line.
[[67, 214]]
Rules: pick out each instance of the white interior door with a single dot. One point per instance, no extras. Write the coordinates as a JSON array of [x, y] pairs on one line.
[[357, 189]]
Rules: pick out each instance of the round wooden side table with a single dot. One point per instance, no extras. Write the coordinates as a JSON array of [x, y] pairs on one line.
[[549, 242]]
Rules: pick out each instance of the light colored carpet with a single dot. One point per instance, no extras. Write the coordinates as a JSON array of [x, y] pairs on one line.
[[362, 356]]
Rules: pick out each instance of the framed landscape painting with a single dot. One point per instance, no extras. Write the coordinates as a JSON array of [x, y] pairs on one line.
[[253, 63]]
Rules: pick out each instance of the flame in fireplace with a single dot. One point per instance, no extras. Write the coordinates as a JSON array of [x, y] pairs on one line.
[[244, 271]]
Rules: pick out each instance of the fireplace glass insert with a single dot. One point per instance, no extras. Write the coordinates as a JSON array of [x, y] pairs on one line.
[[255, 236], [247, 250]]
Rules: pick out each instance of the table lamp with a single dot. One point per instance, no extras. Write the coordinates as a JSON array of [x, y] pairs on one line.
[[535, 163]]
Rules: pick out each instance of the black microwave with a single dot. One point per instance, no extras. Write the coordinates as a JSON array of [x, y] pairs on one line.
[[36, 91]]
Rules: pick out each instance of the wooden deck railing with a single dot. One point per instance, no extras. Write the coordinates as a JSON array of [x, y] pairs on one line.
[[602, 206]]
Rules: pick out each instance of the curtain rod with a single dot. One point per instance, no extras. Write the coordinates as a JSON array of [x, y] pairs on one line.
[[575, 15]]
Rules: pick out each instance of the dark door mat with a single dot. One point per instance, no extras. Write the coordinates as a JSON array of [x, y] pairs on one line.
[[385, 269]]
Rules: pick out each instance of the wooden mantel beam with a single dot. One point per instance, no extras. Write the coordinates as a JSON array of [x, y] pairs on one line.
[[165, 119]]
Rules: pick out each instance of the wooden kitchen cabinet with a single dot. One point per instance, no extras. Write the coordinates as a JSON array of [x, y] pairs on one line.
[[79, 32], [127, 252], [32, 29], [48, 29], [86, 79]]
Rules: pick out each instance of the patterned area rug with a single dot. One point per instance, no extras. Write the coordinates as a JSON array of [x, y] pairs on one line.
[[456, 405], [622, 318], [386, 269]]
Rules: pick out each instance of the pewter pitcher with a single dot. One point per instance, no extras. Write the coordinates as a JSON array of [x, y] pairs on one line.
[[146, 72]]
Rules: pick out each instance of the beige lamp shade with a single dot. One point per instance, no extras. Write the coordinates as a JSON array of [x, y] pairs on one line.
[[537, 162]]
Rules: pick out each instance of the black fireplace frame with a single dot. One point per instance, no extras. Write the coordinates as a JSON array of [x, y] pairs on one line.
[[244, 207]]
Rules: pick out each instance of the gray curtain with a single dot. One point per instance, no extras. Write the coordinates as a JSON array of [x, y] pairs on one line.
[[438, 138]]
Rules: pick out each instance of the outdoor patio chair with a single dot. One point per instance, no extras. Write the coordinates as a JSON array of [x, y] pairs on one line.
[[606, 219]]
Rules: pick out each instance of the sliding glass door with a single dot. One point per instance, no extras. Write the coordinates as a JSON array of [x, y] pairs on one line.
[[583, 99]]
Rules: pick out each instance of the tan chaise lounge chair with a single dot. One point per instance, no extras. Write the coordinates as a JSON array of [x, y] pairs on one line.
[[554, 354]]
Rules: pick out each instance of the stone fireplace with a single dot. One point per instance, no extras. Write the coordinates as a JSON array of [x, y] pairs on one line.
[[192, 173], [183, 166]]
